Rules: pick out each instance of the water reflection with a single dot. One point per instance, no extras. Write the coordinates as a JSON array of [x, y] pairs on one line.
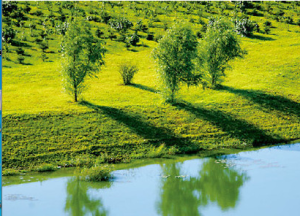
[[185, 195], [79, 202]]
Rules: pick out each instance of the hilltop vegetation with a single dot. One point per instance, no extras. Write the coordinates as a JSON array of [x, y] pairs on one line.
[[257, 104]]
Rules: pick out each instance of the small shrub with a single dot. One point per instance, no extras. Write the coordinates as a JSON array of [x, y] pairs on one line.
[[298, 22], [99, 33], [172, 151], [46, 168], [122, 38], [244, 27], [44, 57], [157, 152], [96, 173], [20, 51], [267, 23], [267, 29], [199, 34], [10, 172], [127, 72], [158, 36], [133, 39], [82, 161], [21, 59], [150, 36]]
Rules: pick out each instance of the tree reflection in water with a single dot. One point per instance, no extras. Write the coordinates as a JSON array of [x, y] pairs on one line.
[[80, 203], [186, 196]]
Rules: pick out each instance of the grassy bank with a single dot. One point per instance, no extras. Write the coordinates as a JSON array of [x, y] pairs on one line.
[[258, 104]]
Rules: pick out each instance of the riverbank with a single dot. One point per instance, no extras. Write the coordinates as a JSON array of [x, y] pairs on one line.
[[121, 134]]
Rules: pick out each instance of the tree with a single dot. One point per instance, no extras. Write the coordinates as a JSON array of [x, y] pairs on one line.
[[174, 54], [120, 24], [83, 56], [219, 45]]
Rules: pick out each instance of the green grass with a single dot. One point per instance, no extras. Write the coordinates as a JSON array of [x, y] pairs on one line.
[[258, 104], [96, 173]]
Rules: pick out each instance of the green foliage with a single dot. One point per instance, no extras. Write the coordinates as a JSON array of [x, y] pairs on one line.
[[9, 7], [83, 55], [157, 152], [21, 59], [267, 29], [10, 172], [127, 71], [43, 46], [8, 34], [47, 128], [96, 173], [244, 26], [83, 161], [20, 51], [46, 168], [174, 55], [220, 45], [120, 24], [133, 39]]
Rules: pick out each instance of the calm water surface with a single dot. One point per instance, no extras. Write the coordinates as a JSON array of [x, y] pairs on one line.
[[262, 182]]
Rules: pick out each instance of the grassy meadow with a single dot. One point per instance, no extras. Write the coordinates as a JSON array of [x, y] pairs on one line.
[[258, 103]]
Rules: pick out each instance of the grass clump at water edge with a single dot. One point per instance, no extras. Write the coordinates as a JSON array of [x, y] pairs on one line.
[[95, 173], [46, 168]]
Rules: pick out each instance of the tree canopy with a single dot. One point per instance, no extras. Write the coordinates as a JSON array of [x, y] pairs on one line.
[[174, 54], [219, 45], [83, 56]]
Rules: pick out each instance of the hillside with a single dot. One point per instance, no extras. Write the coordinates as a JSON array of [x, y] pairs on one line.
[[258, 103]]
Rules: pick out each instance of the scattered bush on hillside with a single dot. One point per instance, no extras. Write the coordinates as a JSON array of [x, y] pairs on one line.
[[120, 24], [21, 59], [8, 7], [133, 39], [244, 26], [127, 72]]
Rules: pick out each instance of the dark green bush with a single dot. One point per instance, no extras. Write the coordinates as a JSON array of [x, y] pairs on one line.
[[46, 168], [133, 39], [150, 36], [21, 59]]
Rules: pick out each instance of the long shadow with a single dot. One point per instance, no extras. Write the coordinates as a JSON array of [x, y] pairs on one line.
[[19, 43], [264, 38], [154, 135], [140, 86], [27, 64], [236, 128], [269, 102]]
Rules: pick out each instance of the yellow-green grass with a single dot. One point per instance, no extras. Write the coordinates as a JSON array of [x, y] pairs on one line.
[[258, 104]]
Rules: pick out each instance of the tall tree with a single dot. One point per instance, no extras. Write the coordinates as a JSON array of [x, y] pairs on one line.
[[83, 56], [174, 54], [219, 45]]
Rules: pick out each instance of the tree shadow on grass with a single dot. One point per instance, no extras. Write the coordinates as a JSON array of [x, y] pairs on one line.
[[236, 128], [269, 102], [264, 38], [143, 87], [154, 135], [19, 43]]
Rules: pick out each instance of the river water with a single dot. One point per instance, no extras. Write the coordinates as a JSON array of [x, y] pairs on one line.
[[261, 182]]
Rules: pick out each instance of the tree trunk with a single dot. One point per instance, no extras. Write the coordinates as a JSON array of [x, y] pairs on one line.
[[75, 94], [213, 81]]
